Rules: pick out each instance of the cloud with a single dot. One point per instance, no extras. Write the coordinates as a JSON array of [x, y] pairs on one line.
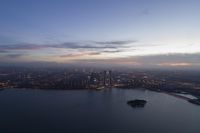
[[166, 60], [171, 57], [176, 60], [72, 45], [20, 47], [154, 61], [112, 51], [68, 45], [79, 54], [14, 55], [179, 64], [117, 42]]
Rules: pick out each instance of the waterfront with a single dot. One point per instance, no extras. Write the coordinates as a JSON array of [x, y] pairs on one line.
[[39, 111]]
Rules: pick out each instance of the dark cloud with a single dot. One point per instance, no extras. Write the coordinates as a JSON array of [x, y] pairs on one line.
[[68, 45], [80, 46], [112, 51], [14, 55], [79, 54], [116, 42], [20, 47]]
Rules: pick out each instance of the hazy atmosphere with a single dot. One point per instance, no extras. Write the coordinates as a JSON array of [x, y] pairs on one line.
[[140, 33], [99, 66]]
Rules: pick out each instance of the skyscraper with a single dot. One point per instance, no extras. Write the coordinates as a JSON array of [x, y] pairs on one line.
[[107, 78]]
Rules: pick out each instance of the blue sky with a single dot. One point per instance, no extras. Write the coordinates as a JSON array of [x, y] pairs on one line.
[[122, 31]]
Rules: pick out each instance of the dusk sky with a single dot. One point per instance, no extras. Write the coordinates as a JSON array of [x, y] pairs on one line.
[[157, 33]]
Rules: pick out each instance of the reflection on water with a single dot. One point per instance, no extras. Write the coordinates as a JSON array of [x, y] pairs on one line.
[[88, 111]]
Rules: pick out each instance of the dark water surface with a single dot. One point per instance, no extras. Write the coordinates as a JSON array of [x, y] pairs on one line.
[[86, 111]]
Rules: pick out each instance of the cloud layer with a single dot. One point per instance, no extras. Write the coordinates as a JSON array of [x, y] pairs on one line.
[[68, 45], [97, 52]]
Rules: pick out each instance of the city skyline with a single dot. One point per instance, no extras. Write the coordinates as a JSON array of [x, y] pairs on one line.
[[137, 33]]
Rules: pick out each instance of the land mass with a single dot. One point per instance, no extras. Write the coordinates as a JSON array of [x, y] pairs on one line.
[[137, 103]]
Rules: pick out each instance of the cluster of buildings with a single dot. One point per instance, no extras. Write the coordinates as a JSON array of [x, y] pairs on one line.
[[55, 79], [97, 79]]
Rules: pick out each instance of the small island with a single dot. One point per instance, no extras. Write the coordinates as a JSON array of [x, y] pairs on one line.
[[137, 103]]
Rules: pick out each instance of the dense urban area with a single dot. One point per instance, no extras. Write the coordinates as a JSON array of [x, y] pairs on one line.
[[88, 78]]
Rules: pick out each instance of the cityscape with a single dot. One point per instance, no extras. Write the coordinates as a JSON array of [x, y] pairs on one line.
[[177, 81], [99, 66]]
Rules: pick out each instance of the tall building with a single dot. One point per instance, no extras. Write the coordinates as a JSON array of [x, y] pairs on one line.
[[95, 78], [107, 78], [77, 81]]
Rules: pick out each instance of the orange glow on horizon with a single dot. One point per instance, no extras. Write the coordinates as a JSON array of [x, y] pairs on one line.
[[175, 64]]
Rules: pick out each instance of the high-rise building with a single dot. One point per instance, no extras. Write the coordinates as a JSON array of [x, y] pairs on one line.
[[107, 78]]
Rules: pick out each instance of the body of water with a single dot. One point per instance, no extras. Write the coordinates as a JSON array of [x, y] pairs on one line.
[[87, 111]]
